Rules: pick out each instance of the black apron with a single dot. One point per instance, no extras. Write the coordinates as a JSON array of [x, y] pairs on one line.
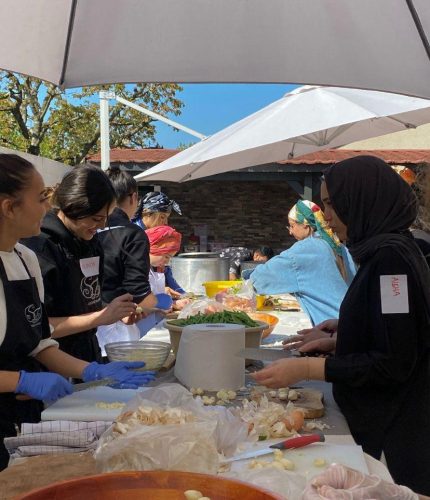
[[27, 324], [82, 295]]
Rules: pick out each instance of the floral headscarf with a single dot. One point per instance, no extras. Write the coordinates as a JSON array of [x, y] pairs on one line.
[[163, 240], [307, 212]]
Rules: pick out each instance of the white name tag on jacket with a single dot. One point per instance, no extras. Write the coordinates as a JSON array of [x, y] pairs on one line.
[[90, 266], [394, 294]]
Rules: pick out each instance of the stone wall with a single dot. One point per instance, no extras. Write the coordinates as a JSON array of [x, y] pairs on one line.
[[239, 213]]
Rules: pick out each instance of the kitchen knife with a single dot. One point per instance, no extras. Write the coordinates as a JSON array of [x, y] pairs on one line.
[[297, 442], [92, 384], [262, 354]]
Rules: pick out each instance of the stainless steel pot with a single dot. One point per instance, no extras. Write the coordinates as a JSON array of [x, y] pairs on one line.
[[191, 270]]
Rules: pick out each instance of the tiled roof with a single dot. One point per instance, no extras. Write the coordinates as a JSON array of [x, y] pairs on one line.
[[150, 155], [392, 156], [328, 156]]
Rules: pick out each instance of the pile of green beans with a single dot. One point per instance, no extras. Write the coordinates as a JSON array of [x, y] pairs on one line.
[[235, 317]]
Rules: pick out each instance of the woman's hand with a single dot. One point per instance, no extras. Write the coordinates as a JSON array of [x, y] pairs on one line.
[[323, 345], [172, 293], [122, 372], [285, 372], [119, 308], [43, 386], [323, 330]]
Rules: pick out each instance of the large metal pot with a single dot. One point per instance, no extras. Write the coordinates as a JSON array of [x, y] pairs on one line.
[[191, 270]]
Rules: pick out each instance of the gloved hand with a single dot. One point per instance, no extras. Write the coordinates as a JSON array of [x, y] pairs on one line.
[[164, 301], [121, 371], [43, 386], [342, 483]]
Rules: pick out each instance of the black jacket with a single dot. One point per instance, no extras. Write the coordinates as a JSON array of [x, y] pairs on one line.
[[381, 371], [68, 292], [126, 258]]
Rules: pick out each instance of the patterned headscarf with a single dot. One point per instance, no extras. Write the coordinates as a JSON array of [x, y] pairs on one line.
[[307, 212], [159, 202], [163, 240]]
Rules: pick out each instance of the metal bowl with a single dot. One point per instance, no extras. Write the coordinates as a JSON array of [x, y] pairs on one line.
[[153, 353]]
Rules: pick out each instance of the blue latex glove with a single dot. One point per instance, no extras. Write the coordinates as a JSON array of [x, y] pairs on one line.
[[164, 301], [43, 386], [121, 371]]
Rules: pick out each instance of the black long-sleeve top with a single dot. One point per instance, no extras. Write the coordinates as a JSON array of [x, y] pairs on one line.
[[381, 371], [126, 258]]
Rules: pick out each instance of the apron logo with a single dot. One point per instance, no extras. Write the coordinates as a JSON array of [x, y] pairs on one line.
[[33, 313], [90, 288]]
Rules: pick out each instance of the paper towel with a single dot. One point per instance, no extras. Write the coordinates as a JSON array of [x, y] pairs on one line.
[[207, 358]]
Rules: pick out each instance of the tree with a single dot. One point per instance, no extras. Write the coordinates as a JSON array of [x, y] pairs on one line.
[[41, 119]]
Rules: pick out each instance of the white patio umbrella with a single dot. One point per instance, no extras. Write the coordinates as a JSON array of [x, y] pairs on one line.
[[307, 119], [52, 171], [372, 44]]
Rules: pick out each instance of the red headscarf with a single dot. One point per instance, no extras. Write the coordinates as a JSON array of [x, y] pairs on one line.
[[163, 240]]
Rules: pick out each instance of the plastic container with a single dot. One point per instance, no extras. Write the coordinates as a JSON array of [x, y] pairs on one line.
[[153, 485], [253, 335], [152, 352], [213, 287], [260, 299]]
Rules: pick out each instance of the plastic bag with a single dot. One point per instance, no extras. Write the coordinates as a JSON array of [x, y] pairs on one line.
[[240, 297], [191, 446], [202, 306], [116, 332]]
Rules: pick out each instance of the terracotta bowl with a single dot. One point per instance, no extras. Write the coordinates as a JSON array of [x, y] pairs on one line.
[[151, 485], [270, 319]]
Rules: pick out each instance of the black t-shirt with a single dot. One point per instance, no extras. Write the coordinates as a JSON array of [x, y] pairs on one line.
[[381, 370], [126, 258]]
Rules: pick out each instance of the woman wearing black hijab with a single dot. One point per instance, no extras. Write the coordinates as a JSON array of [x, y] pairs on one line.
[[381, 368]]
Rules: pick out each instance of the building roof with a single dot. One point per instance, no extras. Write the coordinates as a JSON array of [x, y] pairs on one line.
[[328, 156], [148, 155], [391, 156]]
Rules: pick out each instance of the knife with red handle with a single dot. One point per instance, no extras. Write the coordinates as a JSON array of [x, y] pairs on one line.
[[296, 442]]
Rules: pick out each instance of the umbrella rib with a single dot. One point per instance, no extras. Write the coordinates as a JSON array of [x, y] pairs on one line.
[[188, 176], [405, 124], [68, 41], [419, 26]]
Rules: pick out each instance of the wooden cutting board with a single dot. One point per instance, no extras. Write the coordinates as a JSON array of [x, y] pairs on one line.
[[311, 401]]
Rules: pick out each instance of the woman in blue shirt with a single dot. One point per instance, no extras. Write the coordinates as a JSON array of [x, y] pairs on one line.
[[317, 269]]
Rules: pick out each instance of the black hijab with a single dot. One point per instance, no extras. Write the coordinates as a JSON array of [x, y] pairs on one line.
[[378, 207], [373, 201]]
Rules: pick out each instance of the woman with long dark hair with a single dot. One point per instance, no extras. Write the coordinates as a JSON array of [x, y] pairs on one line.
[[381, 367], [25, 340], [126, 261], [71, 260]]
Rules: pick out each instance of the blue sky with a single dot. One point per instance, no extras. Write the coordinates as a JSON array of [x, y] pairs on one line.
[[209, 108]]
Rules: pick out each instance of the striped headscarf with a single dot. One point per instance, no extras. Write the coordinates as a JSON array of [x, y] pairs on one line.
[[307, 212]]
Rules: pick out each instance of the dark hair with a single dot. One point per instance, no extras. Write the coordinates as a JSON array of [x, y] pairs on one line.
[[15, 174], [84, 191], [265, 251], [123, 183]]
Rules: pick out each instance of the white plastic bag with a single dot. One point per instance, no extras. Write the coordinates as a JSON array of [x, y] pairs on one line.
[[202, 306], [191, 446], [240, 297]]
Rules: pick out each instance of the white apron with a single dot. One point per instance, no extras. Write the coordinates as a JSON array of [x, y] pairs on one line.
[[120, 332]]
